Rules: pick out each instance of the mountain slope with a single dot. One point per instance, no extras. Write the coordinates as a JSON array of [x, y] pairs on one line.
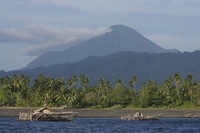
[[121, 38], [124, 65]]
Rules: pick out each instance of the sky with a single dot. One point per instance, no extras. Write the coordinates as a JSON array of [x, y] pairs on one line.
[[29, 28]]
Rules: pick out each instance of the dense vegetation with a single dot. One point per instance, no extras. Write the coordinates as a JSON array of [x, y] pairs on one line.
[[122, 65], [176, 92]]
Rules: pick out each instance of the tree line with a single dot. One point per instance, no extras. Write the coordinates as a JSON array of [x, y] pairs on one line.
[[76, 92]]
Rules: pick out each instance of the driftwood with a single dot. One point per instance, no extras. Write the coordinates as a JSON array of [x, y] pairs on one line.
[[189, 114], [140, 116]]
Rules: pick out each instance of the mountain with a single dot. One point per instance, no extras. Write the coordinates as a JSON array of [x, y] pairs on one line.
[[121, 38], [123, 65]]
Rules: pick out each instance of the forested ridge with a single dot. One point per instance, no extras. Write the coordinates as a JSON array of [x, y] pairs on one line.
[[120, 38], [76, 92], [122, 65]]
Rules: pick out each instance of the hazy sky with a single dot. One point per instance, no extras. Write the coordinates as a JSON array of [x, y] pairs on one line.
[[29, 28]]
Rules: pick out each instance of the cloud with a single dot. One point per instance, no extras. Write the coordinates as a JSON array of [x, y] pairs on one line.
[[167, 7], [176, 42], [41, 39]]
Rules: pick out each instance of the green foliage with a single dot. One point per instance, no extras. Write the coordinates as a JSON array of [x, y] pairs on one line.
[[117, 106], [97, 107], [175, 92], [120, 94], [150, 95]]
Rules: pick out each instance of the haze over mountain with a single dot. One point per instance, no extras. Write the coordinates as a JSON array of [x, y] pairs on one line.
[[123, 65], [120, 38]]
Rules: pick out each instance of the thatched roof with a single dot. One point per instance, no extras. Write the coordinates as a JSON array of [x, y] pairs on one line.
[[41, 109]]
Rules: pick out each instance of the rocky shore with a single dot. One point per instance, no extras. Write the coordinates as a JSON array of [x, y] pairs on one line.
[[116, 113]]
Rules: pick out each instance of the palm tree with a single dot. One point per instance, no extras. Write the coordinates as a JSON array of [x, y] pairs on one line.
[[177, 80], [103, 89], [40, 88], [189, 87], [72, 82], [6, 92], [196, 94], [132, 84], [84, 80], [72, 97], [61, 95], [166, 90], [17, 83], [51, 90]]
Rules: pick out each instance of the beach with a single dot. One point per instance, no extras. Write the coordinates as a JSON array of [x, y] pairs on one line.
[[117, 113]]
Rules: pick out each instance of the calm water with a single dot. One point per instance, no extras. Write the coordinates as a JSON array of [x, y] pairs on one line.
[[101, 125]]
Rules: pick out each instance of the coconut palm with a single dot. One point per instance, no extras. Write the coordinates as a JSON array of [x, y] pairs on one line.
[[132, 84], [72, 82], [177, 80], [61, 95], [40, 88], [103, 89], [72, 97], [189, 87], [7, 96], [167, 91], [84, 80], [196, 94]]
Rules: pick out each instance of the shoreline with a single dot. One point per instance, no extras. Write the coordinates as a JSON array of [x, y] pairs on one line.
[[112, 113]]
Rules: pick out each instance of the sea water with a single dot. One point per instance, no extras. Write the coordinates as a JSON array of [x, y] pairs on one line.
[[101, 125]]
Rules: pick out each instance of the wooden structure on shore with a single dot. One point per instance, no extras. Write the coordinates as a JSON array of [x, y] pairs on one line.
[[25, 116], [45, 114], [140, 116]]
